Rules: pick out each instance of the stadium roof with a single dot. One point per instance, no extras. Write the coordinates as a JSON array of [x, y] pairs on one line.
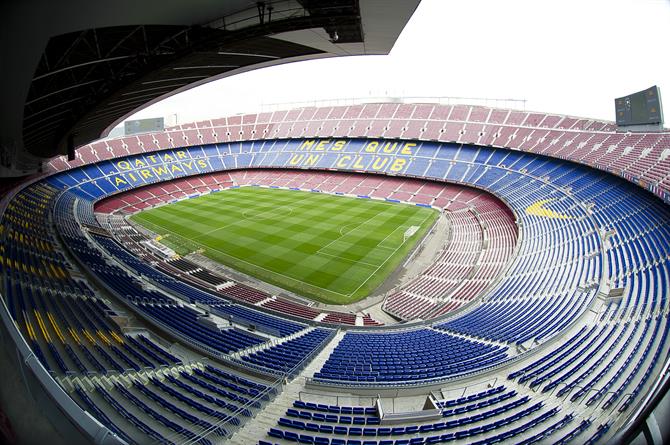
[[82, 69]]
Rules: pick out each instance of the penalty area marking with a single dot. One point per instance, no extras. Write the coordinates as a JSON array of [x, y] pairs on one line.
[[342, 235], [382, 264], [412, 228], [347, 259], [303, 283], [343, 232]]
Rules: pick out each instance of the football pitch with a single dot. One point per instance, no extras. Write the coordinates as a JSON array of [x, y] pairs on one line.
[[330, 248]]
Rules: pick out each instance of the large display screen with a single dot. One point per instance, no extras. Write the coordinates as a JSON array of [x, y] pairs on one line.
[[641, 108], [144, 125]]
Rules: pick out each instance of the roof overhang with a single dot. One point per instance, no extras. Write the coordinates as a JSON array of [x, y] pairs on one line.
[[81, 69]]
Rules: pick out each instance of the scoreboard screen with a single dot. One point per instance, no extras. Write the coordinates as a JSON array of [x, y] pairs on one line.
[[144, 125], [641, 108]]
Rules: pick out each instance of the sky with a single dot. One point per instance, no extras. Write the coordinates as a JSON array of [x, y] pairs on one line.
[[568, 57]]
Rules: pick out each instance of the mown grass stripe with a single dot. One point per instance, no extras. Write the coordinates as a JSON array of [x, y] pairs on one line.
[[331, 248]]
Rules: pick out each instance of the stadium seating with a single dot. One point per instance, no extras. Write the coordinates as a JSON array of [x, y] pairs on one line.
[[290, 356], [496, 413], [642, 159], [422, 354], [440, 294], [572, 308]]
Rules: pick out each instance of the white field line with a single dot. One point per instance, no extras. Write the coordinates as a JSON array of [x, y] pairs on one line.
[[276, 273], [385, 261], [347, 259], [379, 245], [251, 264], [256, 265], [352, 224], [245, 218], [318, 252], [376, 201], [342, 235]]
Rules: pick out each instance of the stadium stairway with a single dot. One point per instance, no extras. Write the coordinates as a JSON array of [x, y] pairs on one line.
[[511, 351], [269, 344], [268, 299], [318, 361], [89, 382], [256, 429]]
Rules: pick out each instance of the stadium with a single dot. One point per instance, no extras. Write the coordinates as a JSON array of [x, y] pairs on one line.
[[389, 272]]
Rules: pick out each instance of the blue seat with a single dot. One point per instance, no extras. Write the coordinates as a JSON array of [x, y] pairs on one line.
[[306, 439], [291, 436], [274, 432]]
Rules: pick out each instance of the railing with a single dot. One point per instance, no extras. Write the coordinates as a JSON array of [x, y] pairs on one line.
[[328, 383], [276, 385], [54, 403], [295, 370], [29, 357], [228, 424], [276, 10]]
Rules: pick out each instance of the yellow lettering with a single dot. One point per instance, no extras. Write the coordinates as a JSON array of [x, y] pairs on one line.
[[322, 145], [181, 155], [312, 159], [132, 176], [167, 158], [398, 164], [342, 162], [379, 163], [372, 147], [358, 164], [307, 145], [296, 159], [389, 148], [202, 163], [158, 171], [139, 163], [175, 168], [152, 158], [123, 165], [406, 149], [188, 165], [119, 180], [338, 146], [145, 173]]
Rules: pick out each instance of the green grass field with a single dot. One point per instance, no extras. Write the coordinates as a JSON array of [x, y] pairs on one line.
[[330, 248]]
